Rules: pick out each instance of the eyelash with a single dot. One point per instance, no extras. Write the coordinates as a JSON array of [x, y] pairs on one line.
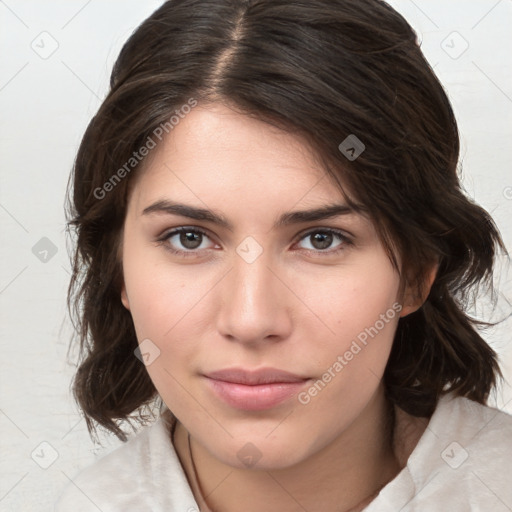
[[346, 241]]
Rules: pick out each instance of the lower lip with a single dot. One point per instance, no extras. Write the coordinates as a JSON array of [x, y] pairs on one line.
[[255, 398]]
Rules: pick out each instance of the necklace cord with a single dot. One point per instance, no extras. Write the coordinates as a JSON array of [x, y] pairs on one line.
[[356, 508], [389, 427]]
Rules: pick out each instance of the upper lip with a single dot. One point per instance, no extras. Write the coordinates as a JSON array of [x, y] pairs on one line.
[[254, 377]]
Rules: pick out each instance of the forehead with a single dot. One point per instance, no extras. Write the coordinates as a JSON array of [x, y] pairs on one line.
[[217, 154]]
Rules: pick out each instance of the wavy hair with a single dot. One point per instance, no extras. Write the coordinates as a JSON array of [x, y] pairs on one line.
[[324, 69]]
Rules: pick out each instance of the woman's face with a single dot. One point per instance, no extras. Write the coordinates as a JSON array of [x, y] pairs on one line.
[[267, 288]]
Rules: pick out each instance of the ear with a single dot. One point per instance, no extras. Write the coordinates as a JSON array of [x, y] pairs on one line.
[[411, 301], [124, 298]]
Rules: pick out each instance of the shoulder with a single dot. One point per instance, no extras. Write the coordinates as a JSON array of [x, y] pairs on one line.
[[479, 429], [463, 458], [143, 474], [461, 463]]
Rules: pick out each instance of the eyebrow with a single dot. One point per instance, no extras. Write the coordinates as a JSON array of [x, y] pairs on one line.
[[168, 207]]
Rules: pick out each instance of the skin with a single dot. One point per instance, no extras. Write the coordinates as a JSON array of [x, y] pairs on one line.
[[296, 307]]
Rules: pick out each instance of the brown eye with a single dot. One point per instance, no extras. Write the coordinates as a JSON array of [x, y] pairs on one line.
[[186, 241], [190, 239], [321, 240]]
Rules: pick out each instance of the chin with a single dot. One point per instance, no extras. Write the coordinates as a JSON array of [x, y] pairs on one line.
[[263, 454]]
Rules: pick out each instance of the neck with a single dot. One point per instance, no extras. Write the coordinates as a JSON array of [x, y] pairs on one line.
[[349, 471]]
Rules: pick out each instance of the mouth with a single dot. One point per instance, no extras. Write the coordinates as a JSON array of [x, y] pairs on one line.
[[254, 390]]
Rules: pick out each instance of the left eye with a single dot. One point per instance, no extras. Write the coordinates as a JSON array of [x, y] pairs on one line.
[[322, 239]]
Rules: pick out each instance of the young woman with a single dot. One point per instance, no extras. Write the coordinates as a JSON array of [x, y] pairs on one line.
[[273, 249]]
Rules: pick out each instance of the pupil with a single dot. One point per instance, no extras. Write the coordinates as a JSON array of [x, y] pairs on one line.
[[324, 240], [190, 240]]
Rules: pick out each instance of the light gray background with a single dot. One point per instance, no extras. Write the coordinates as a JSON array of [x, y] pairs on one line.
[[46, 102]]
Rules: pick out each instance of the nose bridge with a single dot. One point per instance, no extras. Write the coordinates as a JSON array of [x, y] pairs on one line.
[[253, 304]]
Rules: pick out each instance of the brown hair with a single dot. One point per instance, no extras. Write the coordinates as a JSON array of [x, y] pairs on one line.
[[324, 69]]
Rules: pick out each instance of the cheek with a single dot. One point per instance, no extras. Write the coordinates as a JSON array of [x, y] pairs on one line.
[[160, 294], [365, 308], [169, 306], [166, 307], [164, 304], [348, 299], [358, 303]]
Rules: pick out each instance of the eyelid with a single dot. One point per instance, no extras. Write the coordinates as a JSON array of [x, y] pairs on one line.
[[168, 233], [326, 229], [346, 240]]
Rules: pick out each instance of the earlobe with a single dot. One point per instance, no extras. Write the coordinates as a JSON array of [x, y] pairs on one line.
[[413, 302], [124, 298]]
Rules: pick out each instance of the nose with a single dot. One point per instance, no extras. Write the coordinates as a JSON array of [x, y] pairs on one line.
[[255, 303]]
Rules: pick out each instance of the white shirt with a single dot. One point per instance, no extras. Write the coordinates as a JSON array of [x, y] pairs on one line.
[[462, 463]]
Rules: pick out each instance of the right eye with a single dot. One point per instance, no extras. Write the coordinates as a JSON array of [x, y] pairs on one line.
[[189, 238]]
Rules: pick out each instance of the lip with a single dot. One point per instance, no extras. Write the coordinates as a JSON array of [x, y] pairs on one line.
[[254, 377], [254, 390]]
